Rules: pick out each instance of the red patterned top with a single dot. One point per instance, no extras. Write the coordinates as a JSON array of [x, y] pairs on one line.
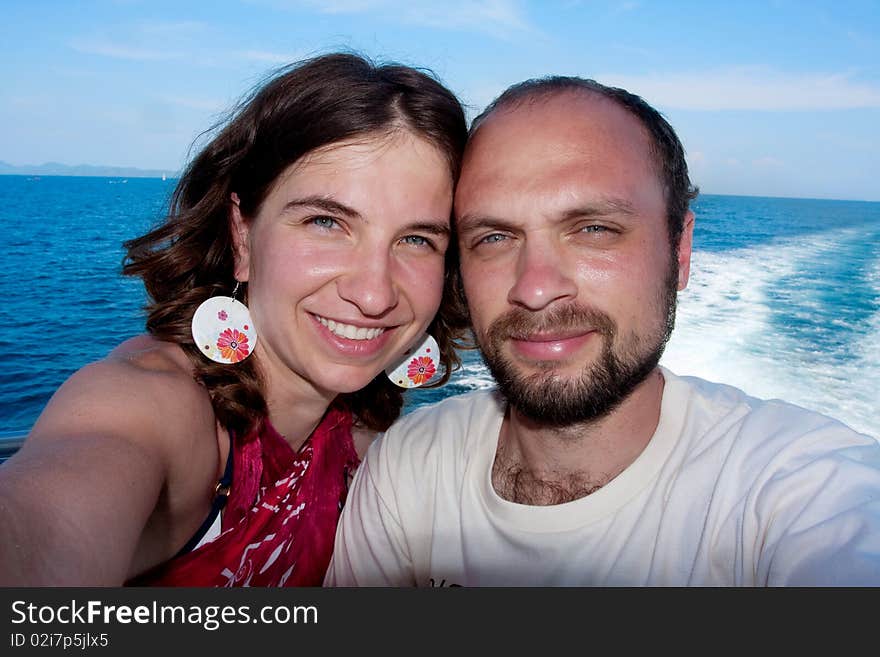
[[280, 520]]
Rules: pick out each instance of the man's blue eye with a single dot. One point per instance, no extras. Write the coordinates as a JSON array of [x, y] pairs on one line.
[[416, 240], [494, 237], [324, 222], [596, 229]]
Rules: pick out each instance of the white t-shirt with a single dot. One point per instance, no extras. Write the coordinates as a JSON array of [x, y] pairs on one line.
[[730, 491]]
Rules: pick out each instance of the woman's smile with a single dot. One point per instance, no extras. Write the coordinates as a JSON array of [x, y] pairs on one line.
[[366, 343], [350, 331]]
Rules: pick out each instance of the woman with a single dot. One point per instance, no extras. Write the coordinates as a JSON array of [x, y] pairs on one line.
[[303, 256]]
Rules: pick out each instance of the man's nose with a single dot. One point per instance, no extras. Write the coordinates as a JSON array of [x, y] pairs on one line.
[[541, 276], [369, 282]]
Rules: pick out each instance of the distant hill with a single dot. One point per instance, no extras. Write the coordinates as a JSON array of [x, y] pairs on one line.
[[58, 169]]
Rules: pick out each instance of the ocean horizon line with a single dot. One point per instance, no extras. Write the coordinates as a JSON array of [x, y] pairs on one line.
[[159, 174]]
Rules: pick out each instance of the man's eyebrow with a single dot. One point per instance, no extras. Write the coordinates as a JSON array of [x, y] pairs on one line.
[[599, 208], [469, 222], [322, 203], [439, 228]]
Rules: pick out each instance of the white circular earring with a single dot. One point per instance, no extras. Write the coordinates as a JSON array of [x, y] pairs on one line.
[[419, 365], [223, 330]]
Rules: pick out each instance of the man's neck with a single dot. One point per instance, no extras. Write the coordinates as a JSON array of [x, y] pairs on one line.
[[540, 466]]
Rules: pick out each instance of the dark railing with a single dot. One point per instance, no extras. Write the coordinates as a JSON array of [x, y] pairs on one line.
[[9, 444]]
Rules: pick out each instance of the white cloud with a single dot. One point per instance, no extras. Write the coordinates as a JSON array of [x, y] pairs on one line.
[[172, 29], [201, 104], [121, 51], [144, 41], [768, 162], [749, 89], [501, 18], [267, 57], [342, 6], [627, 6]]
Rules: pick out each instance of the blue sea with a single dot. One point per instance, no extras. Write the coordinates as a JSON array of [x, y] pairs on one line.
[[783, 301]]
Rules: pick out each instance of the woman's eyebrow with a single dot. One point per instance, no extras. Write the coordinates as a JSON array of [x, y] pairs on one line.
[[322, 203], [325, 204]]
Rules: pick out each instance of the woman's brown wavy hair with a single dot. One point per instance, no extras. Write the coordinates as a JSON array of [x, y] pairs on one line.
[[305, 106]]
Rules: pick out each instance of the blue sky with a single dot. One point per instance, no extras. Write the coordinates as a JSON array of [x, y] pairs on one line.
[[777, 98]]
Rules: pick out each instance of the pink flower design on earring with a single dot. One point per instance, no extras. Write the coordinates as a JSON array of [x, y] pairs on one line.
[[233, 345], [222, 315], [420, 370]]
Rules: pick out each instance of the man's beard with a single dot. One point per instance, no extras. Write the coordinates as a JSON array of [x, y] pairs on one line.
[[551, 400]]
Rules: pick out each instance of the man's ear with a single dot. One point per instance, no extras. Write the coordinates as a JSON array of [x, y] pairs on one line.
[[685, 247], [240, 240]]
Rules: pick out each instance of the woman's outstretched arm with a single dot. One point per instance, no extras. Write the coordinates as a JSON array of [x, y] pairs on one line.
[[75, 499]]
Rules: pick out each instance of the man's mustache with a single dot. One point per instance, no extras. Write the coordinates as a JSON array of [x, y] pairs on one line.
[[520, 324]]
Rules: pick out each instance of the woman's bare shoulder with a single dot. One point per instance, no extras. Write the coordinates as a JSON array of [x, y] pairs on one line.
[[132, 416], [142, 386], [150, 355]]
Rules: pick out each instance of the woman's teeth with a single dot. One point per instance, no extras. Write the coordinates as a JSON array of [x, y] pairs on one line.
[[350, 332]]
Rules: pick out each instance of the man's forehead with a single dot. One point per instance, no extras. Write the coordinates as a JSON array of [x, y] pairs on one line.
[[559, 130], [562, 113], [568, 125], [555, 152]]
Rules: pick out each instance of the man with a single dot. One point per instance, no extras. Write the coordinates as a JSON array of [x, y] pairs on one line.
[[592, 465]]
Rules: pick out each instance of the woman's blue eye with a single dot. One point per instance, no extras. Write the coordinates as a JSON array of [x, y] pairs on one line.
[[593, 228], [416, 240]]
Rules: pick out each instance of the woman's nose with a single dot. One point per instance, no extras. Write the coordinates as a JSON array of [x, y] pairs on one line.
[[369, 283]]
